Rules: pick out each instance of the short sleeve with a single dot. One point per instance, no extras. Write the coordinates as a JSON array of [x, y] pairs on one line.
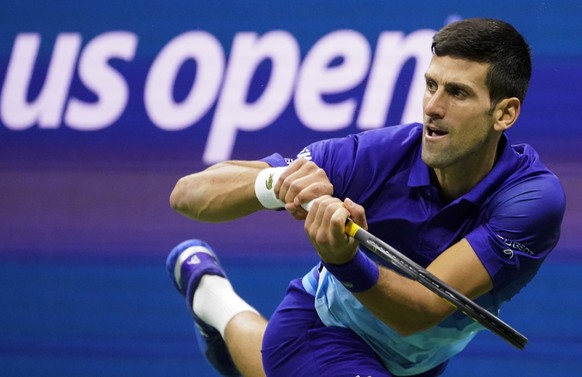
[[518, 231], [332, 155], [276, 160]]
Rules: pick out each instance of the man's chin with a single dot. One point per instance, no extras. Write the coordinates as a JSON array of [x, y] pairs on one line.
[[432, 160]]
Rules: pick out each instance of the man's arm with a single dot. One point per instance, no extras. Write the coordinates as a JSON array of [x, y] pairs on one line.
[[226, 191], [409, 307], [222, 192], [404, 304]]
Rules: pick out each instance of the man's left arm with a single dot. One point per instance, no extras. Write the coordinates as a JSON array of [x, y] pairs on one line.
[[404, 304], [409, 307], [528, 215]]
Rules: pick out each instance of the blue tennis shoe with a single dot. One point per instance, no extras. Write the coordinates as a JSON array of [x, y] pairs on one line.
[[186, 264]]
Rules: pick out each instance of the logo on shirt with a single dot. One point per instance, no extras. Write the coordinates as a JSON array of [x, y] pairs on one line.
[[514, 246], [305, 153], [509, 253]]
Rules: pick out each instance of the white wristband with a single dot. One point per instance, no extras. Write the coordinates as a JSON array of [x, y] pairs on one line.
[[264, 185]]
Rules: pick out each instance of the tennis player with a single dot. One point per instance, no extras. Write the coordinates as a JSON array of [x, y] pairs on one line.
[[453, 194]]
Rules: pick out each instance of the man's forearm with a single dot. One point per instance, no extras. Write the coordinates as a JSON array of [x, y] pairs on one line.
[[222, 192]]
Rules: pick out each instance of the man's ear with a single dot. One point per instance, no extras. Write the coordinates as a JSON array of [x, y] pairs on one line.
[[506, 113]]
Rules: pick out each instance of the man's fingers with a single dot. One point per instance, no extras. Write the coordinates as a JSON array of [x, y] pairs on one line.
[[357, 213]]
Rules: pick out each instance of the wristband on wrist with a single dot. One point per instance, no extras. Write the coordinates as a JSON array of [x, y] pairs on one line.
[[264, 185], [357, 275]]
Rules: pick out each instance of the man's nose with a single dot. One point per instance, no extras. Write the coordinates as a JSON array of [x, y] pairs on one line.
[[434, 104]]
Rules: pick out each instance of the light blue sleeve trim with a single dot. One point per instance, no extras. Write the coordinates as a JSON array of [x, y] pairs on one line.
[[402, 355], [309, 281]]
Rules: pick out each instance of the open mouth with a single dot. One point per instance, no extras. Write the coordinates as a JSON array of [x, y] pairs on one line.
[[434, 132]]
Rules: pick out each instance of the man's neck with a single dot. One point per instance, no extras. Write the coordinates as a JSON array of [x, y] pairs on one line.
[[455, 181]]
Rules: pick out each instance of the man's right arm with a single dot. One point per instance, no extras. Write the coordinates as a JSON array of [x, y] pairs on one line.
[[222, 192]]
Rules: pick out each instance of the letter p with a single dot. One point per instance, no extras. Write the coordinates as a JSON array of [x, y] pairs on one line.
[[233, 112]]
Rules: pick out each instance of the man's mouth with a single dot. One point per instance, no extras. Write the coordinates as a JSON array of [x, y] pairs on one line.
[[432, 131]]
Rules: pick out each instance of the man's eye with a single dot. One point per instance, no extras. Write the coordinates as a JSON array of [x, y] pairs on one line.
[[431, 86], [458, 93]]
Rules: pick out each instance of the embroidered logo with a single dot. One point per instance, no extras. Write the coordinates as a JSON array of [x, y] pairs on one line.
[[269, 182], [508, 252], [305, 153], [514, 246]]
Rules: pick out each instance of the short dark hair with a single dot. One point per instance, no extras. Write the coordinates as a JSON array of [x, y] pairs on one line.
[[490, 41]]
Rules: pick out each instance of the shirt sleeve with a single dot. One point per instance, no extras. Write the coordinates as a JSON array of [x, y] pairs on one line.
[[276, 160], [519, 230], [358, 164], [334, 156]]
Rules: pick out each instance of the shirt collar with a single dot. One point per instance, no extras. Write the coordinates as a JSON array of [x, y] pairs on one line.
[[506, 163]]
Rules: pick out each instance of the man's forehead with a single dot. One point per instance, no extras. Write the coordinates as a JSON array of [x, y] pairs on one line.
[[457, 70]]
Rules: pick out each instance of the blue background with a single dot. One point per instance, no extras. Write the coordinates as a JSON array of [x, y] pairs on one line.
[[84, 218]]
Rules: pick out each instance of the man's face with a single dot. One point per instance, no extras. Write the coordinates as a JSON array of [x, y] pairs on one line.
[[458, 124]]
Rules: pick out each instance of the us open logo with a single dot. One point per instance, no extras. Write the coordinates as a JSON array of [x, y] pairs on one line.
[[336, 64]]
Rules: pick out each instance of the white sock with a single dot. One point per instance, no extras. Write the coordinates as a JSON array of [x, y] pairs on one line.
[[216, 303]]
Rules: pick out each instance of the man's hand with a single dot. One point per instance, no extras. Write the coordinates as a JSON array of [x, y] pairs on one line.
[[300, 183], [325, 226]]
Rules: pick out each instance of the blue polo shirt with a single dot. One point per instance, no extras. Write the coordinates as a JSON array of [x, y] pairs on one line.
[[511, 219]]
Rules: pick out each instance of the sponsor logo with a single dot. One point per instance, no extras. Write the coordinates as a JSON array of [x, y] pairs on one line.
[[305, 153], [269, 182], [193, 260], [347, 284], [38, 92], [514, 246], [509, 253]]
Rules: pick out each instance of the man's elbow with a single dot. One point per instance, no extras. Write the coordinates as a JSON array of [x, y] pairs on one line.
[[178, 200]]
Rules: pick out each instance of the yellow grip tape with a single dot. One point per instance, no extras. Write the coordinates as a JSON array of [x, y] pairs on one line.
[[351, 228]]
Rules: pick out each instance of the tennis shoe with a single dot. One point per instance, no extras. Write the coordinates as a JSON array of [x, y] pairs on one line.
[[186, 264]]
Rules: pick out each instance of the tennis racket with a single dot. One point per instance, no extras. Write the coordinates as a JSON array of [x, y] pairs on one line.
[[414, 271]]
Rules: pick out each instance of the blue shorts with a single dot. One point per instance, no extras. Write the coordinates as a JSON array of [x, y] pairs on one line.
[[298, 344]]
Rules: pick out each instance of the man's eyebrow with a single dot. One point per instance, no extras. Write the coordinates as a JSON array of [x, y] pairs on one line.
[[456, 86], [451, 85]]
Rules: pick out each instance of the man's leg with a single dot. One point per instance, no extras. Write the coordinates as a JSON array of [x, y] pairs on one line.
[[297, 343], [219, 313], [244, 338]]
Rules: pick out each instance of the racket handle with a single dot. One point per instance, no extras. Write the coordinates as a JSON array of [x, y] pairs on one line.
[[307, 206], [351, 227]]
